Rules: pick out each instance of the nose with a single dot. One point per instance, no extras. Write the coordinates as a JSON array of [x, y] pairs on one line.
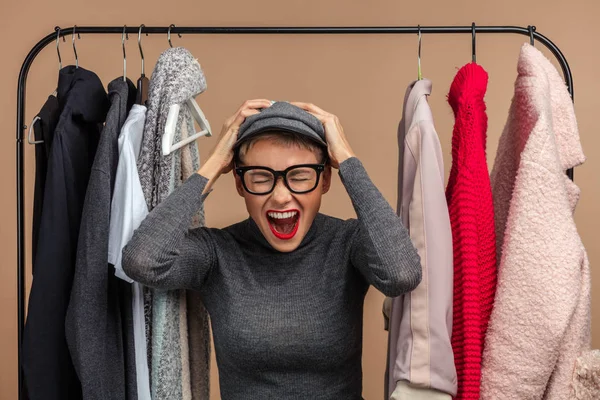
[[281, 194]]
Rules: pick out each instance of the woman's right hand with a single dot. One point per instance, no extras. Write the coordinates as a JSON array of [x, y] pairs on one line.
[[220, 160]]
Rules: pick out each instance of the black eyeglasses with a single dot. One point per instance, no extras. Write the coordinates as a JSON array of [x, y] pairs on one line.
[[298, 179]]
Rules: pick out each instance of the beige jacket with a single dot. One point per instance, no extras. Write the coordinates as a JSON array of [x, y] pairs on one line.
[[540, 323], [420, 355]]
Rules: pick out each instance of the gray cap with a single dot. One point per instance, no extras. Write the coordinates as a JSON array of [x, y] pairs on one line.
[[282, 116]]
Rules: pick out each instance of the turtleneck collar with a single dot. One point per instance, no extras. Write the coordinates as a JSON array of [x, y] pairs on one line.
[[469, 85]]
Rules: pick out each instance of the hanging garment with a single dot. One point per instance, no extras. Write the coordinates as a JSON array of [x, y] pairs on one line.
[[586, 377], [471, 208], [48, 369], [97, 299], [43, 129], [420, 357], [405, 390], [128, 210], [541, 318], [176, 78]]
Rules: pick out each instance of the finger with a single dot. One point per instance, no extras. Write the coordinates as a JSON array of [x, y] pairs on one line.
[[247, 105], [321, 117], [241, 116], [325, 118], [255, 104], [310, 107]]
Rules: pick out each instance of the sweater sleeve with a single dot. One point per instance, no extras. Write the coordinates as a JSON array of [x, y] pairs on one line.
[[381, 248], [163, 252]]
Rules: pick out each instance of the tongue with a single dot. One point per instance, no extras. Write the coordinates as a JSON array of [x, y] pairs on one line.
[[285, 225]]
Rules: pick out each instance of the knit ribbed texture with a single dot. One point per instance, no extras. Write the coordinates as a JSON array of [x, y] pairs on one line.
[[471, 209], [285, 325], [176, 78]]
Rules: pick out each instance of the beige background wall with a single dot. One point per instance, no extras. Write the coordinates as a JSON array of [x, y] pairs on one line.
[[362, 79]]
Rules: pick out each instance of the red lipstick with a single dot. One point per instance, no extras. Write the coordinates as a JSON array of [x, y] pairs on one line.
[[295, 220]]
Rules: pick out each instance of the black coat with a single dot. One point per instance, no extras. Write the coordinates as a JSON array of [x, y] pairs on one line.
[[47, 365]]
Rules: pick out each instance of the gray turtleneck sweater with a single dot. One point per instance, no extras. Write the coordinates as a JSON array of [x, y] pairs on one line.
[[286, 325]]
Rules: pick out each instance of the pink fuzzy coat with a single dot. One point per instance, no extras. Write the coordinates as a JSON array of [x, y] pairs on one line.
[[540, 323]]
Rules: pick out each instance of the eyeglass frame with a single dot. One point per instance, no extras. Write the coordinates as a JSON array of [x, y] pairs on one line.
[[240, 171]]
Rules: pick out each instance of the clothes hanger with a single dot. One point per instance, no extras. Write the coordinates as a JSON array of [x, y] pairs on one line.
[[124, 36], [419, 74], [473, 44], [74, 48], [30, 132], [57, 29], [167, 138], [143, 83], [531, 29], [170, 126]]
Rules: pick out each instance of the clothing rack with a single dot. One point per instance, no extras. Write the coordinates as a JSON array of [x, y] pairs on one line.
[[535, 37]]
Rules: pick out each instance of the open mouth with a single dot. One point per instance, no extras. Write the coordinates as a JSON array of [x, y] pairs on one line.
[[283, 224]]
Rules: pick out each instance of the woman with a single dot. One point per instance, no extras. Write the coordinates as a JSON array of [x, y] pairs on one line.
[[284, 288]]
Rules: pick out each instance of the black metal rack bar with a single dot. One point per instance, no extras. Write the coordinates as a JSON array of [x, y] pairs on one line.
[[539, 38]]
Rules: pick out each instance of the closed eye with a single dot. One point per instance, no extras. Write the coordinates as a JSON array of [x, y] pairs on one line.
[[261, 177]]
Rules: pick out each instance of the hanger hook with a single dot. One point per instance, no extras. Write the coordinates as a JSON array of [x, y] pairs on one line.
[[140, 46], [169, 34], [531, 29], [124, 36], [57, 29], [74, 48], [473, 45], [419, 75]]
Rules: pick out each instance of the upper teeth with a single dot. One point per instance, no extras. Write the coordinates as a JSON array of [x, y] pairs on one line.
[[282, 215]]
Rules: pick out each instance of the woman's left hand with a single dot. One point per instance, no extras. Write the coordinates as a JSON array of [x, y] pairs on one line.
[[337, 144]]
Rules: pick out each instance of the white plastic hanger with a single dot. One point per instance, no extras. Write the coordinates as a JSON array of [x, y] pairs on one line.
[[167, 139]]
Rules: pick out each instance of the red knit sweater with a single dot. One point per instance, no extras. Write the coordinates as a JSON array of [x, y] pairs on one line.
[[470, 204]]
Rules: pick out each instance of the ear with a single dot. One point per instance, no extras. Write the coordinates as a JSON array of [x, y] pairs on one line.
[[238, 185], [326, 178]]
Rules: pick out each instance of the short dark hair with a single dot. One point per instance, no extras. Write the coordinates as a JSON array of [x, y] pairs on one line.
[[284, 138]]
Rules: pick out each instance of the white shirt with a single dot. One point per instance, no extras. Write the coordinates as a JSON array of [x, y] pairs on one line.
[[128, 210]]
